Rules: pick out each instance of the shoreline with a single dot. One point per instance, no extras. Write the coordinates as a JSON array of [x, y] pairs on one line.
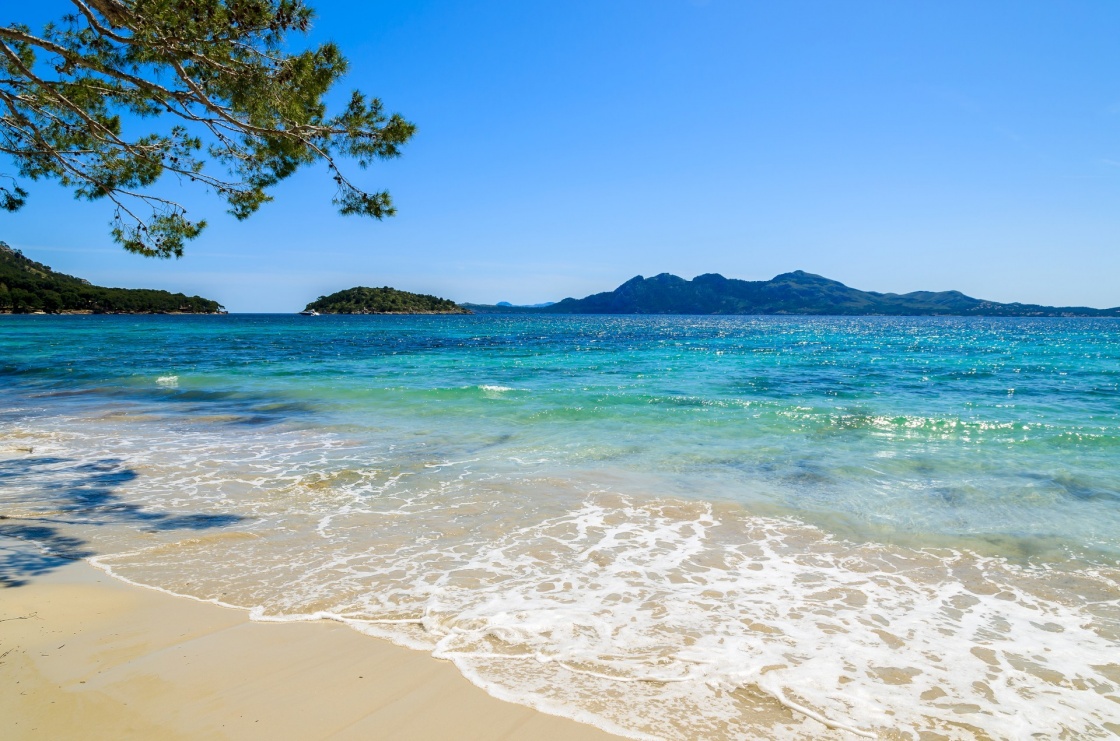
[[84, 650], [91, 312]]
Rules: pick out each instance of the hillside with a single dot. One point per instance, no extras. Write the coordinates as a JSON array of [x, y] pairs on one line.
[[385, 300], [791, 293], [27, 286]]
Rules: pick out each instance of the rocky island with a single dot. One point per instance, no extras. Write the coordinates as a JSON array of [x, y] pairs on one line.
[[384, 300], [29, 287]]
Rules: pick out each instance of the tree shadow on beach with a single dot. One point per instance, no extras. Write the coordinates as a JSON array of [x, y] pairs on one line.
[[61, 495]]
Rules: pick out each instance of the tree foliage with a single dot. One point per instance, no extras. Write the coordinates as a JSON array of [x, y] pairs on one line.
[[245, 112]]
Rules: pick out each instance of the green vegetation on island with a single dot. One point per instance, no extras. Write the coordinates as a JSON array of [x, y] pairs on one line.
[[385, 300], [27, 286], [790, 293]]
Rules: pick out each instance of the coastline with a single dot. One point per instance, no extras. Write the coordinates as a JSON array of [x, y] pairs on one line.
[[91, 312], [91, 656]]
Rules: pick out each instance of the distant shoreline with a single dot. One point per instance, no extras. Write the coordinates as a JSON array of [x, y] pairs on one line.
[[90, 312], [539, 313]]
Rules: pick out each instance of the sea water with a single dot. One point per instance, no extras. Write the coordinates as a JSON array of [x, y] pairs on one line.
[[671, 527]]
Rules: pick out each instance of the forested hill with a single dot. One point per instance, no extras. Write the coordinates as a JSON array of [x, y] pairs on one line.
[[791, 293], [27, 286], [385, 300]]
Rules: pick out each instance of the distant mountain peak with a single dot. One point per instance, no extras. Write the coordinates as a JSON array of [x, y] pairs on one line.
[[800, 276], [796, 292]]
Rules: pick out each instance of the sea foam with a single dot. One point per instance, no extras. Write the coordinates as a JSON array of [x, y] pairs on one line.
[[650, 616]]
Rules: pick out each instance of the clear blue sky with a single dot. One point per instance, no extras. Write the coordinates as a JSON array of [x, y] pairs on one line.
[[564, 147]]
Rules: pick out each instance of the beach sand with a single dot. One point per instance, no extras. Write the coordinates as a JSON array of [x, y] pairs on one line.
[[83, 655]]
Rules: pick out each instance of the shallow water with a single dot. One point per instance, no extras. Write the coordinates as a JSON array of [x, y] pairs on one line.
[[677, 527]]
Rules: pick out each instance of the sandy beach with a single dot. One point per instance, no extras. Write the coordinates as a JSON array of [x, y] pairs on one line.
[[83, 655]]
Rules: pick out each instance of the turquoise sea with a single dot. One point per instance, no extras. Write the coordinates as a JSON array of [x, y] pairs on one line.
[[671, 527]]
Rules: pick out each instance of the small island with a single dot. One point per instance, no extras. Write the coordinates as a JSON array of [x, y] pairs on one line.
[[29, 287], [384, 300]]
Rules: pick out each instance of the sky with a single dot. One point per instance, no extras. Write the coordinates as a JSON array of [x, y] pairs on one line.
[[565, 147]]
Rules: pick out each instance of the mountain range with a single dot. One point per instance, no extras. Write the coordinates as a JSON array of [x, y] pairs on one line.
[[789, 293]]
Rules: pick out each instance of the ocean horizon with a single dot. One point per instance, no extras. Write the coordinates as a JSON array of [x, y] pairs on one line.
[[670, 527]]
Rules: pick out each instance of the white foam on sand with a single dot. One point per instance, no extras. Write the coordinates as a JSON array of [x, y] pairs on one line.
[[654, 617]]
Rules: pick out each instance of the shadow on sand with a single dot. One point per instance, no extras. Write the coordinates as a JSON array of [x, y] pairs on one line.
[[72, 494]]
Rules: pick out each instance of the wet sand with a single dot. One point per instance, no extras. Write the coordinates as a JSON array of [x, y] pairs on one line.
[[83, 655]]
